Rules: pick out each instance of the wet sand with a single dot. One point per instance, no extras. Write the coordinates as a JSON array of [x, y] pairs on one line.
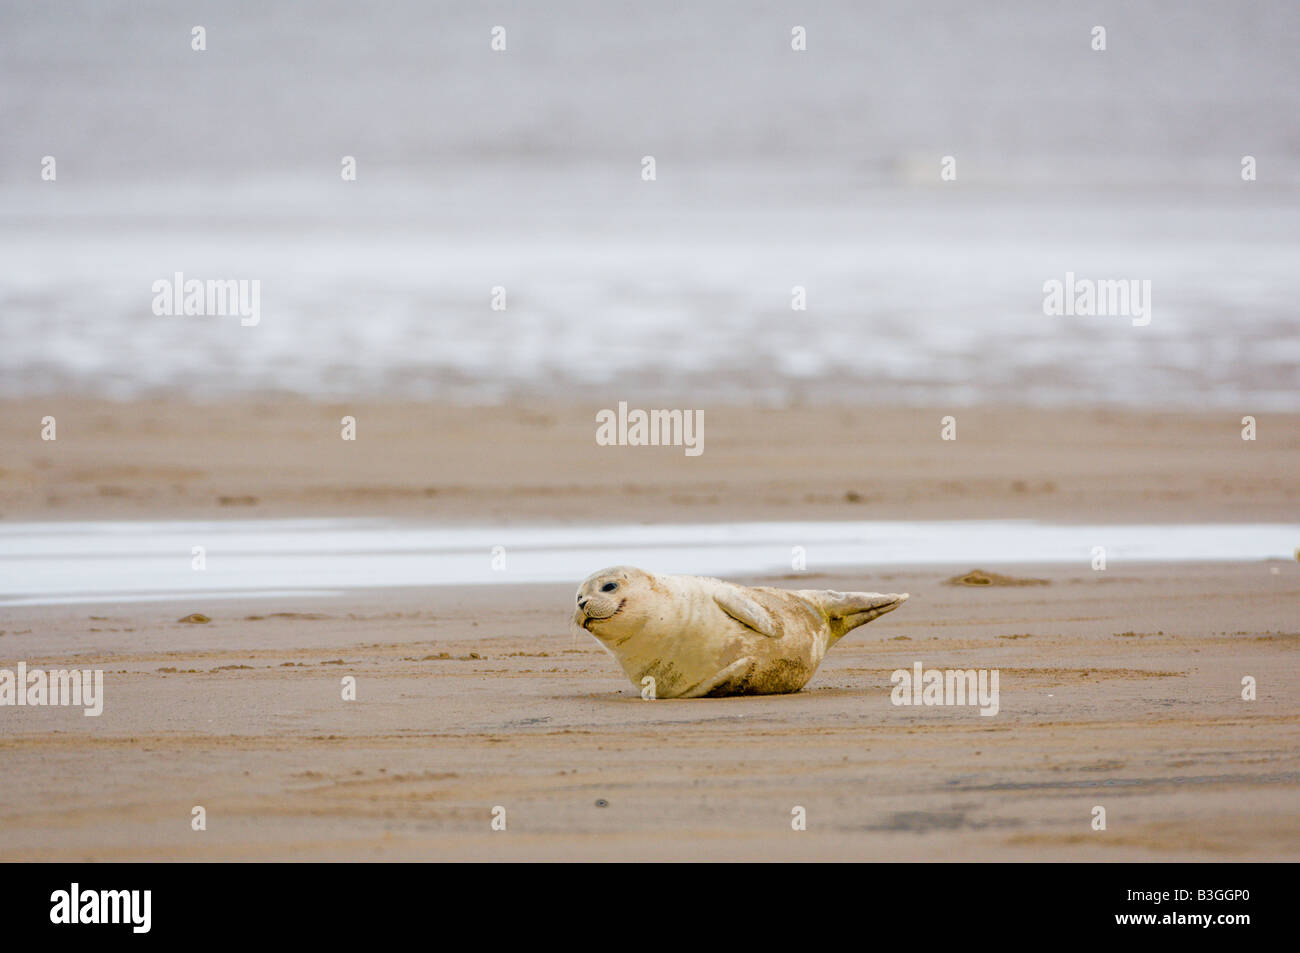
[[283, 458], [1119, 688]]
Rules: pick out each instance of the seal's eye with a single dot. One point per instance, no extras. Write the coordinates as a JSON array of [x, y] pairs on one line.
[[609, 587]]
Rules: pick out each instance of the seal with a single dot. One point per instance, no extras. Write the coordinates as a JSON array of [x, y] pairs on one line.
[[698, 637]]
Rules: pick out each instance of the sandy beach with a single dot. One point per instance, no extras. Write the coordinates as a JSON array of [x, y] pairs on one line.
[[322, 339], [283, 457], [1119, 689]]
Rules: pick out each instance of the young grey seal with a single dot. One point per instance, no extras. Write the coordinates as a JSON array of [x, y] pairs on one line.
[[691, 636]]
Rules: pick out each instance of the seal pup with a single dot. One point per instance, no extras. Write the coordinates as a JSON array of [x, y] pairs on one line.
[[698, 637]]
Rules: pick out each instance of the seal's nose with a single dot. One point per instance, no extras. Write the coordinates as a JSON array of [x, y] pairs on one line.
[[582, 602]]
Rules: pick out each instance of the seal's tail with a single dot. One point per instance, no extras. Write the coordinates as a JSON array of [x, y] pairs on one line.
[[848, 610]]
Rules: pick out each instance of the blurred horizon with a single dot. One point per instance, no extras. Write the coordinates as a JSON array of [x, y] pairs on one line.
[[775, 169]]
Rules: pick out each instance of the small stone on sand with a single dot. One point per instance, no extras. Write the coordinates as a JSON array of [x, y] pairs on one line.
[[979, 577]]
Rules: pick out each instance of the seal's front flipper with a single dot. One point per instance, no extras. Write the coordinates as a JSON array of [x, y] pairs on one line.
[[745, 610], [848, 610], [733, 671]]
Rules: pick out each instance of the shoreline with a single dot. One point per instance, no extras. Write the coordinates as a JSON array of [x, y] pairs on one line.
[[125, 562]]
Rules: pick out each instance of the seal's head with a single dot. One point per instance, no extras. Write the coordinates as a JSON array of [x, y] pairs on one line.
[[613, 600]]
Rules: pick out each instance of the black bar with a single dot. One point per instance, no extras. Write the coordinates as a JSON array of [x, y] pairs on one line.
[[943, 903]]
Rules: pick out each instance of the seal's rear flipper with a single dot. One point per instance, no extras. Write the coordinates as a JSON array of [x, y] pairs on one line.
[[848, 610]]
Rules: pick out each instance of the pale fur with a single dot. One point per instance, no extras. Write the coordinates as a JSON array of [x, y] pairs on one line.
[[696, 636]]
